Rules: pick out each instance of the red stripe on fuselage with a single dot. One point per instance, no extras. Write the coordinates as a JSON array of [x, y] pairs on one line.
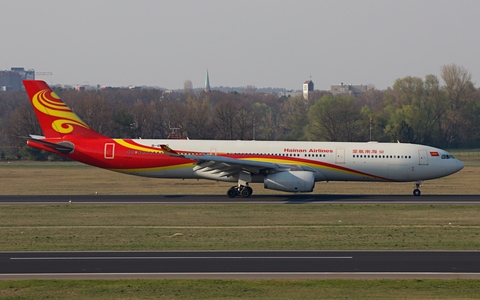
[[91, 151]]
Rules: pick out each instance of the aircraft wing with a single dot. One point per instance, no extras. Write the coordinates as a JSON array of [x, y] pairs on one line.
[[229, 166]]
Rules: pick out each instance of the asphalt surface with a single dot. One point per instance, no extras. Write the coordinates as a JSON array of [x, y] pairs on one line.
[[254, 199], [241, 264]]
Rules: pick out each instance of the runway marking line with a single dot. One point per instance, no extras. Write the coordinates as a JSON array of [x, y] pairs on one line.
[[179, 257]]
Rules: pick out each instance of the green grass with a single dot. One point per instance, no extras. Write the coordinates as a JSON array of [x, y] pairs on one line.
[[70, 178], [241, 289], [216, 227], [235, 227]]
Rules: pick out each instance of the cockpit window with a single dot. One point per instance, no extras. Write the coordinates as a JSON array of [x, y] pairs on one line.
[[447, 156]]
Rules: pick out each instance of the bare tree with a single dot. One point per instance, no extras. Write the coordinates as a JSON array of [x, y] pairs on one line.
[[22, 122], [188, 87], [243, 125], [146, 121], [95, 110], [336, 118], [198, 117], [225, 112], [459, 92], [250, 89]]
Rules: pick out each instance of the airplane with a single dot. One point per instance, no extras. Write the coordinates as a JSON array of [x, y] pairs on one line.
[[288, 166]]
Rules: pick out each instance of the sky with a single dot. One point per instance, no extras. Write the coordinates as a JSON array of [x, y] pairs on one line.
[[264, 43]]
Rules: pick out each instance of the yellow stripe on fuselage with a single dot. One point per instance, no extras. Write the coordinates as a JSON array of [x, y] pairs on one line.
[[136, 147]]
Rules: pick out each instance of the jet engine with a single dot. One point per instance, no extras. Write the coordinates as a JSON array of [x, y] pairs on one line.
[[290, 181]]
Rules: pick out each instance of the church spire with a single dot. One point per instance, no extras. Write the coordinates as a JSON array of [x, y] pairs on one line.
[[207, 83]]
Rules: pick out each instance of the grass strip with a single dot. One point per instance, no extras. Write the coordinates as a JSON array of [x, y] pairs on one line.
[[240, 289], [239, 227], [71, 178]]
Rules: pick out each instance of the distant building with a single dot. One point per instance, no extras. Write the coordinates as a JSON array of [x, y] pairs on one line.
[[207, 83], [289, 93], [307, 88], [344, 89], [12, 80]]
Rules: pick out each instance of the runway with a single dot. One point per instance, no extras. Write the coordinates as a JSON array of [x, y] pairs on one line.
[[241, 264], [254, 199]]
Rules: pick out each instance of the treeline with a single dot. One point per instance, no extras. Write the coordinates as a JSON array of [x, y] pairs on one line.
[[442, 112]]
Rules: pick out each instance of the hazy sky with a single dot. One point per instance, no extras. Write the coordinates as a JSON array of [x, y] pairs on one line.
[[265, 43]]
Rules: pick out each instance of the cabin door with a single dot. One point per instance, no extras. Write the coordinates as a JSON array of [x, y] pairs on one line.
[[422, 157], [340, 156]]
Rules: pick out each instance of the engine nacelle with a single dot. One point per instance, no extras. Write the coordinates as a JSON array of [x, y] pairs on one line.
[[290, 181]]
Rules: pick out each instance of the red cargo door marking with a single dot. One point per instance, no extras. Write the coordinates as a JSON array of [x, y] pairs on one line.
[[109, 152]]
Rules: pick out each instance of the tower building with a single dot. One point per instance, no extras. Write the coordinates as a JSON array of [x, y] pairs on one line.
[[207, 83], [307, 88]]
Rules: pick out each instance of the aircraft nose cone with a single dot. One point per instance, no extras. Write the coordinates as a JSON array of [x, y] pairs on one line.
[[454, 166], [459, 166]]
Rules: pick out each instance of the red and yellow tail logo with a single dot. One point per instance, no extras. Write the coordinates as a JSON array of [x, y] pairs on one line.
[[47, 102], [54, 116]]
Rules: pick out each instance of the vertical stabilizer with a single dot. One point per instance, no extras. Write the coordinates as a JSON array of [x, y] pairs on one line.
[[55, 117]]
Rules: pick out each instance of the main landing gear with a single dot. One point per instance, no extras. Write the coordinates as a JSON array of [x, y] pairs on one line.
[[243, 191], [416, 191]]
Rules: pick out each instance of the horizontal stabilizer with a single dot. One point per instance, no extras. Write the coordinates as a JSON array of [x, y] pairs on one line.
[[62, 147]]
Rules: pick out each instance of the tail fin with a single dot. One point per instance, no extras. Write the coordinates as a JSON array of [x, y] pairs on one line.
[[55, 117]]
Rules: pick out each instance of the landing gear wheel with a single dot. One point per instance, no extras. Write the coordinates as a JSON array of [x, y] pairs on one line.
[[232, 192], [246, 192], [416, 191]]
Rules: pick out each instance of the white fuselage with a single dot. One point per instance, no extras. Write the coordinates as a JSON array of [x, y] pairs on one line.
[[330, 161]]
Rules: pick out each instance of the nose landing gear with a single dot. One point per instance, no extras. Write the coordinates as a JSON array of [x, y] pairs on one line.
[[416, 191]]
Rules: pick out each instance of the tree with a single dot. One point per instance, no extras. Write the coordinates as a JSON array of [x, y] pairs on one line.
[[225, 112], [473, 116], [373, 105], [125, 122], [293, 118], [460, 93], [172, 114], [265, 122], [188, 87], [22, 122], [415, 108], [336, 118], [146, 121], [199, 117], [95, 111], [243, 125], [250, 89]]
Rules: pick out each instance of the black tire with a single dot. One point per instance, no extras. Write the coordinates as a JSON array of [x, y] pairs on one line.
[[232, 192], [246, 192], [416, 192]]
